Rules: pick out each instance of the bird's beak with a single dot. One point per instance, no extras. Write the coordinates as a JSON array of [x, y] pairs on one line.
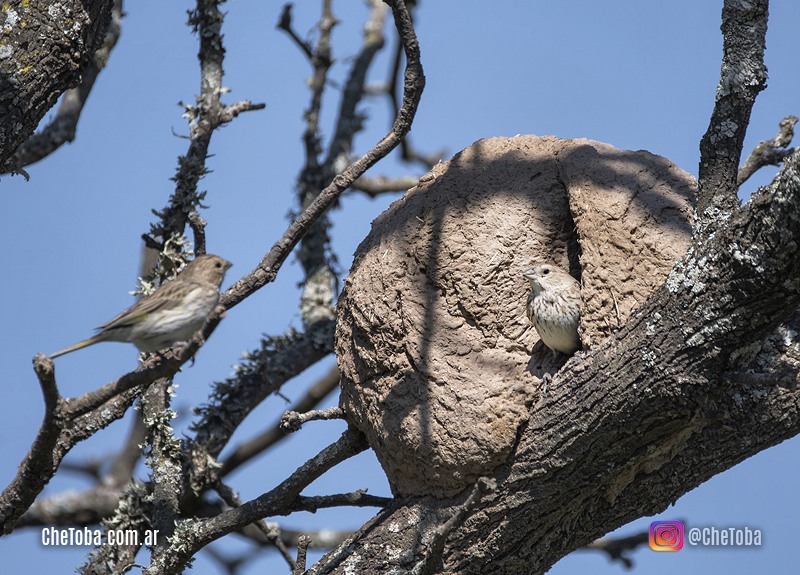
[[529, 274]]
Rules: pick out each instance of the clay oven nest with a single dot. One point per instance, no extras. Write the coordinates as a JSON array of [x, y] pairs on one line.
[[440, 366]]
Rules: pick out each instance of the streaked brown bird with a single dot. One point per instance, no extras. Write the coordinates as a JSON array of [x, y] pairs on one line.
[[172, 313], [554, 307]]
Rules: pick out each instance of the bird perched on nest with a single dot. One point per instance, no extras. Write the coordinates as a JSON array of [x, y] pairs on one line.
[[554, 307], [172, 313]]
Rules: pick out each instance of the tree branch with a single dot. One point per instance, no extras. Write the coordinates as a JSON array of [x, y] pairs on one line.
[[198, 226], [69, 421], [91, 506], [38, 467], [618, 549], [315, 394], [62, 128], [374, 187], [61, 43], [285, 24], [271, 533], [204, 117], [302, 549], [268, 268], [316, 301], [742, 76], [349, 122], [407, 152], [431, 562], [358, 498], [279, 360], [160, 366], [191, 536], [769, 153], [166, 480], [291, 421]]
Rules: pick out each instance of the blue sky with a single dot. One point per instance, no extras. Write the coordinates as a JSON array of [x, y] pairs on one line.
[[637, 75]]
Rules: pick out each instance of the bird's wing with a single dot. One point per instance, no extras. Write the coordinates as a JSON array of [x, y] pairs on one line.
[[166, 298]]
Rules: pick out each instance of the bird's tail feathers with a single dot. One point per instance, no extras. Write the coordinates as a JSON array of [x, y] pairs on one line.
[[77, 346]]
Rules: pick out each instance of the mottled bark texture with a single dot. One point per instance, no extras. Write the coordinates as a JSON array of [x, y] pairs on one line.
[[436, 353], [433, 341], [44, 48], [743, 74]]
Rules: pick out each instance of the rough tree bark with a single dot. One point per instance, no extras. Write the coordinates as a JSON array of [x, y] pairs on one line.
[[46, 46]]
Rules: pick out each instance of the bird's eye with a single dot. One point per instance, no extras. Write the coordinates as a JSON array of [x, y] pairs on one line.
[[218, 265], [545, 271]]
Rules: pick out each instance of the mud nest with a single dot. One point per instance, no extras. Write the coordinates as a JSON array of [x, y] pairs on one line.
[[440, 366]]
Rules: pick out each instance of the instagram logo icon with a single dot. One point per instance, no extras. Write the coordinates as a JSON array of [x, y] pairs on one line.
[[666, 535]]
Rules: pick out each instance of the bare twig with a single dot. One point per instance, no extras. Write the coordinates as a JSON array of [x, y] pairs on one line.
[[268, 268], [280, 359], [285, 24], [618, 549], [302, 549], [198, 226], [358, 498], [246, 451], [228, 113], [316, 302], [349, 122], [38, 466], [45, 373], [270, 532], [291, 421], [374, 187], [407, 152], [769, 153]]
